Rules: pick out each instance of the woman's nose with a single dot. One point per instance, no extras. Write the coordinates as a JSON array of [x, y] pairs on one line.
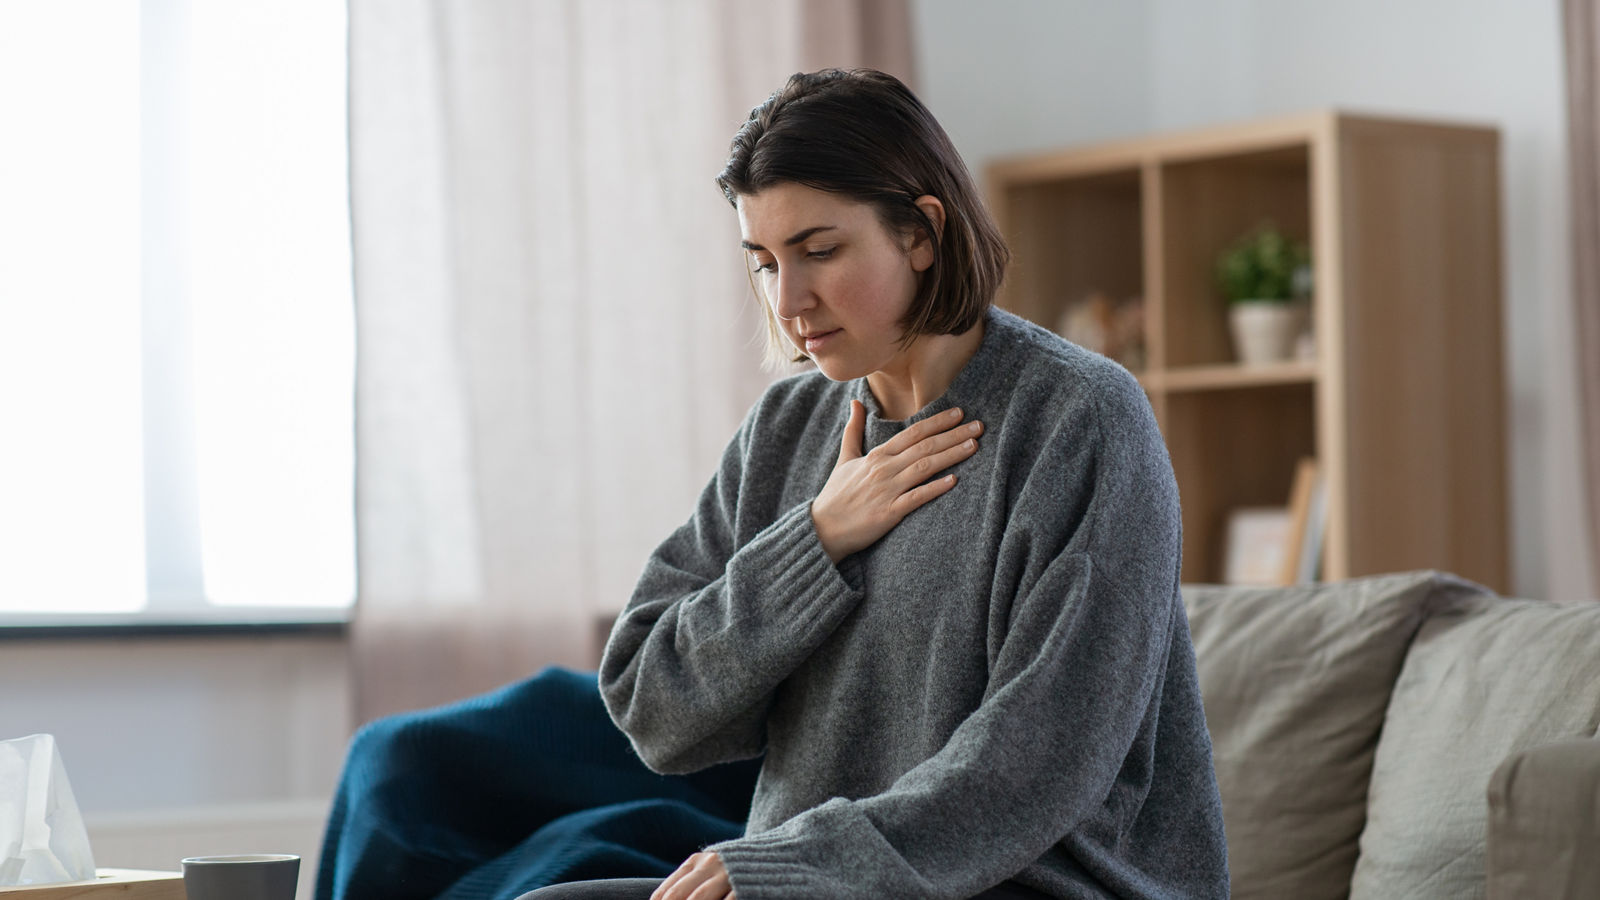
[[792, 295]]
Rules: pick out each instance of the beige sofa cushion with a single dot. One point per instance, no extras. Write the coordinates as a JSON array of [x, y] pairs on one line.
[[1492, 677], [1295, 682], [1544, 823]]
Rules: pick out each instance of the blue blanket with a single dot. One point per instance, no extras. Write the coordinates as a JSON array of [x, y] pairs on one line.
[[527, 786]]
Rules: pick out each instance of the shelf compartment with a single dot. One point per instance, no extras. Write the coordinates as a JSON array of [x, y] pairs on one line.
[[1230, 449], [1072, 239], [1206, 205]]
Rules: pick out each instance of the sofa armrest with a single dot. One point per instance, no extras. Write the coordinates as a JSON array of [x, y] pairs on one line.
[[1544, 823]]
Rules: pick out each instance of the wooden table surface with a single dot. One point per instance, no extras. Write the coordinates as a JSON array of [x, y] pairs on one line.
[[113, 884]]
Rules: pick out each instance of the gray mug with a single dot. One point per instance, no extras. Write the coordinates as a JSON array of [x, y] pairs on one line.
[[259, 876]]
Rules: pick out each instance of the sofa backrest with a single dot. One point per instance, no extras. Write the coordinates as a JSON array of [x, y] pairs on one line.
[[1481, 681], [1295, 683]]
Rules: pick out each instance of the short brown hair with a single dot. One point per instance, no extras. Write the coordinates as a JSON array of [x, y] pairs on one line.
[[862, 133]]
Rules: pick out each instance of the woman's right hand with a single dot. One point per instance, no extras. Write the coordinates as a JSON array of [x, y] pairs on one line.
[[869, 493]]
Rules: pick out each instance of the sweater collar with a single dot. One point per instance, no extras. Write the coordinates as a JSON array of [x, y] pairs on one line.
[[972, 384]]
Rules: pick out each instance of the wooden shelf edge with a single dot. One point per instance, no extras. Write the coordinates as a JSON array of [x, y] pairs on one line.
[[1228, 376], [1132, 153], [1120, 155]]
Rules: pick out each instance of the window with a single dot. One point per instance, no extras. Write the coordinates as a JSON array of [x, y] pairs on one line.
[[176, 326]]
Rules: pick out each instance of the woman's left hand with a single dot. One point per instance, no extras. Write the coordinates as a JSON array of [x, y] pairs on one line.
[[701, 877]]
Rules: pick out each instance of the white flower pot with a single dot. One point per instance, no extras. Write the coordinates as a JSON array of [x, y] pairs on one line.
[[1264, 331]]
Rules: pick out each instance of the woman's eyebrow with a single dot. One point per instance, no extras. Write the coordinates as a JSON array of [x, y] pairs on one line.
[[795, 239]]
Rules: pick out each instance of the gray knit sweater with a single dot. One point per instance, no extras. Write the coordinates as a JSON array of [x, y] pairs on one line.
[[1002, 687]]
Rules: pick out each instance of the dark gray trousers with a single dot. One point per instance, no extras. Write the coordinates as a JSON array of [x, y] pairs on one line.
[[640, 889]]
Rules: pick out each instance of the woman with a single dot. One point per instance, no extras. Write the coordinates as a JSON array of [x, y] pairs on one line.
[[935, 581]]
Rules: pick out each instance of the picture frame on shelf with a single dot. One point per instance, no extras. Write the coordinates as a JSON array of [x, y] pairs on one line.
[[1257, 545], [1308, 523]]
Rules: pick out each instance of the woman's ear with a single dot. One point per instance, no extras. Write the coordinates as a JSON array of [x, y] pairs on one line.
[[922, 247]]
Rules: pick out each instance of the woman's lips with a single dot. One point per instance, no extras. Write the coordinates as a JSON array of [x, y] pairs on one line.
[[821, 339]]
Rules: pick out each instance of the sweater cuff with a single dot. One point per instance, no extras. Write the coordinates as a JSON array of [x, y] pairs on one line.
[[828, 851], [789, 553], [766, 865]]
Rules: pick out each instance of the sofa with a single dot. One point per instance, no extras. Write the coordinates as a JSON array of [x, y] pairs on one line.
[[1402, 736]]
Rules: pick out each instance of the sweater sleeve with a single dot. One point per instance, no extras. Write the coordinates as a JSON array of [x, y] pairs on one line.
[[1056, 737], [715, 624]]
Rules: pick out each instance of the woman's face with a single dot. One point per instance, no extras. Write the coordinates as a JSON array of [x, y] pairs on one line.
[[837, 279]]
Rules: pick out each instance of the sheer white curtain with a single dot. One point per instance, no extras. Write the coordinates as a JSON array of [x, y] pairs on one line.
[[555, 337], [1581, 27]]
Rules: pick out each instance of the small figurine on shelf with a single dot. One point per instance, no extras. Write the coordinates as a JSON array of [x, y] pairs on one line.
[[1113, 329], [1127, 334], [1266, 279], [1087, 322]]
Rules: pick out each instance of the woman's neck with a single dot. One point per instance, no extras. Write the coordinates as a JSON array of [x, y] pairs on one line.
[[923, 372]]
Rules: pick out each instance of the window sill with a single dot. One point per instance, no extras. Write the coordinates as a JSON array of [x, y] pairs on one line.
[[334, 622]]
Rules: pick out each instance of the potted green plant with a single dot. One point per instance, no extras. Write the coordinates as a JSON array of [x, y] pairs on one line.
[[1266, 279]]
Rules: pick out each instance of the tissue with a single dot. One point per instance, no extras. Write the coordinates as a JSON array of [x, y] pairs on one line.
[[42, 838]]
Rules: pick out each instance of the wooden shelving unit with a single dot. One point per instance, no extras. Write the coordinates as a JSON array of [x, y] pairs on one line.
[[1403, 403]]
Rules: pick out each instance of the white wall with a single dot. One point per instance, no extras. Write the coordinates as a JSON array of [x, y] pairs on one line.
[[188, 746], [1015, 76], [167, 723]]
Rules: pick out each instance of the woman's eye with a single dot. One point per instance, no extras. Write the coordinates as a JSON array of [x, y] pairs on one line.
[[821, 254]]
